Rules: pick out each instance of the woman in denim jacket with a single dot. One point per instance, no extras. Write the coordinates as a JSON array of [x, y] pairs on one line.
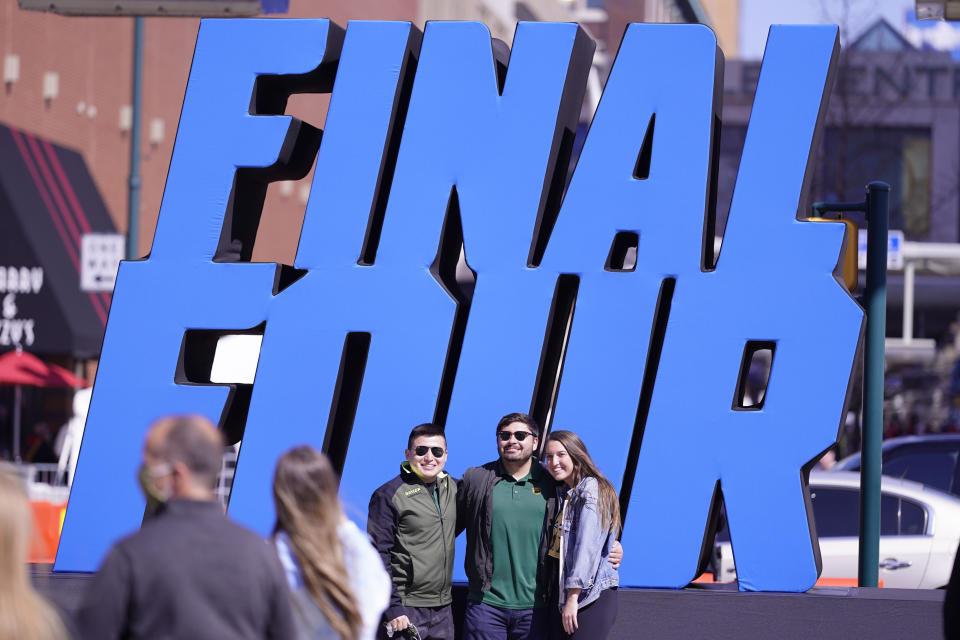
[[583, 533]]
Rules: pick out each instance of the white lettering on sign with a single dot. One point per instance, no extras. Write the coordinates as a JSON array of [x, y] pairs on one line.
[[9, 307], [100, 256], [14, 331], [21, 279], [17, 332]]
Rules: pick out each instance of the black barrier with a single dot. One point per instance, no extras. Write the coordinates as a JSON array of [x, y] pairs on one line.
[[717, 612]]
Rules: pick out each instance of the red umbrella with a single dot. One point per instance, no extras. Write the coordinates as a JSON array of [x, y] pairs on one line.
[[21, 368]]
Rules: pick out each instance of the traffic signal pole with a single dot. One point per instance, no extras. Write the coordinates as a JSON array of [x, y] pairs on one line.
[[876, 208], [878, 194]]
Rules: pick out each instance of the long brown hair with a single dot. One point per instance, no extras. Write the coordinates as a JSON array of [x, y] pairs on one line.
[[308, 511], [23, 613], [584, 467]]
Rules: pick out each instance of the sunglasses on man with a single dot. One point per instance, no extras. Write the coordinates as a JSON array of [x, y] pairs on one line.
[[436, 451], [519, 435]]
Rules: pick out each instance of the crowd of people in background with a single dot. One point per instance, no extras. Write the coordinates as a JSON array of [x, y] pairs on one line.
[[541, 548], [925, 398]]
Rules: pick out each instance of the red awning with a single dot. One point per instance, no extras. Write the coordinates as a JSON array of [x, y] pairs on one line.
[[20, 368], [50, 210]]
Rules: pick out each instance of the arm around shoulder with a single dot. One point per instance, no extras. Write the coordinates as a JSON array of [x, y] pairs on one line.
[[469, 493], [463, 505]]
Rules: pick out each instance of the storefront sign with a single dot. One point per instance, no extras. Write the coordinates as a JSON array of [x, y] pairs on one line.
[[16, 330]]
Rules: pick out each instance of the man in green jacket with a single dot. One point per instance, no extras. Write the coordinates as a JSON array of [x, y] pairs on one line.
[[412, 522]]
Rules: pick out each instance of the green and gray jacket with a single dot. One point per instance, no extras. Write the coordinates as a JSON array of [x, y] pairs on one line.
[[414, 529]]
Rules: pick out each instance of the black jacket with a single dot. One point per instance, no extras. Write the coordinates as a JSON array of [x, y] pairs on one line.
[[415, 536], [475, 514], [189, 572]]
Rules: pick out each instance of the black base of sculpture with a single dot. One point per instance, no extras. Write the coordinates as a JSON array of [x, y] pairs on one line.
[[717, 612]]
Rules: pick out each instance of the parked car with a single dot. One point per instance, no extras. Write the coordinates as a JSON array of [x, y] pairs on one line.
[[919, 531], [933, 460]]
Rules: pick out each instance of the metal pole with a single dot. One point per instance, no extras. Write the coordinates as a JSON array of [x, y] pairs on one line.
[[133, 212], [878, 194], [909, 278], [17, 399]]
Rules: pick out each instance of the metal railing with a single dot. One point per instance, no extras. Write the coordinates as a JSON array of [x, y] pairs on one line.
[[228, 467], [49, 483]]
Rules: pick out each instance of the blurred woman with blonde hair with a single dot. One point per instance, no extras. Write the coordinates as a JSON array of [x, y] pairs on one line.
[[338, 583], [24, 615]]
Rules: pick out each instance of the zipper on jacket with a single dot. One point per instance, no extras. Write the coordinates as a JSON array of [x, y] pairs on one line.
[[443, 533]]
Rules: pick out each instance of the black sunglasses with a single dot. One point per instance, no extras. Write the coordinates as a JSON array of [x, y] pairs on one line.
[[519, 435], [436, 451]]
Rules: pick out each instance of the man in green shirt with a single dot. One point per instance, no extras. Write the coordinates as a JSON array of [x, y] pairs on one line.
[[506, 506]]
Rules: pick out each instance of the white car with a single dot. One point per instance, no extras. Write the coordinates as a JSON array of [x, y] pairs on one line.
[[919, 531]]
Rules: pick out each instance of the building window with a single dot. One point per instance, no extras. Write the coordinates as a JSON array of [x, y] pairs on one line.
[[850, 157]]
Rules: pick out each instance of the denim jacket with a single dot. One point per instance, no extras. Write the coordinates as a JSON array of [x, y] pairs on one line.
[[585, 545]]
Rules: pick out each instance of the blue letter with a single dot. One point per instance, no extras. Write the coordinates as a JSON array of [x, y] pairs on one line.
[[179, 286], [774, 282]]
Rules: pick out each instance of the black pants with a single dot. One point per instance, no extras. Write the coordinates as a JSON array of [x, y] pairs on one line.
[[594, 621], [486, 622], [432, 623]]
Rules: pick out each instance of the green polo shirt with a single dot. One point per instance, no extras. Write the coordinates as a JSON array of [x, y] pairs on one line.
[[519, 507]]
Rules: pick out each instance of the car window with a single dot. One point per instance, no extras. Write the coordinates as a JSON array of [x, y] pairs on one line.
[[836, 511], [932, 468], [913, 519], [837, 514], [850, 463], [899, 517], [889, 515]]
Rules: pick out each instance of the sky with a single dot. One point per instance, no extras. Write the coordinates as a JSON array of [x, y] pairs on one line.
[[853, 16]]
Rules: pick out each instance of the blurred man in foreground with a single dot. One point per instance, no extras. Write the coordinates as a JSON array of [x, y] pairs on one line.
[[189, 572]]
